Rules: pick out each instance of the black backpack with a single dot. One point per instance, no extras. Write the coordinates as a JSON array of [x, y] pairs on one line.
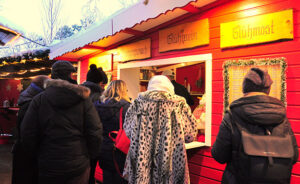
[[263, 158]]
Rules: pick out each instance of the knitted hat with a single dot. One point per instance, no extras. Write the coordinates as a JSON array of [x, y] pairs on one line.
[[94, 74], [257, 80], [62, 70], [160, 83]]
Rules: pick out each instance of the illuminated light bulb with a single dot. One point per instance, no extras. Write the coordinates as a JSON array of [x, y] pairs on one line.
[[22, 72]]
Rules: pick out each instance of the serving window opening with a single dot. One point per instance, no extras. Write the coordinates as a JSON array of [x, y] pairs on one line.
[[193, 72]]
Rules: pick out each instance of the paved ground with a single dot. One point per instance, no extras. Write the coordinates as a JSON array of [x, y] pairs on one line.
[[5, 164]]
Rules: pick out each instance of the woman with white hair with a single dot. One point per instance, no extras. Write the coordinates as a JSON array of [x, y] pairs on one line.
[[158, 123]]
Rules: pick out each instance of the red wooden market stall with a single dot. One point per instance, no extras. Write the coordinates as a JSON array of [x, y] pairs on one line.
[[16, 72], [209, 45], [8, 88]]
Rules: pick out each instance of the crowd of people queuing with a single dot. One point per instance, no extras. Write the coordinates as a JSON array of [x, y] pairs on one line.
[[64, 130]]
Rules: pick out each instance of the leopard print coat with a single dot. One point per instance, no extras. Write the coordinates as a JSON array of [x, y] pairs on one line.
[[158, 124]]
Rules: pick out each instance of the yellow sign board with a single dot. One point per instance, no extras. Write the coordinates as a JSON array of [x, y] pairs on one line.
[[184, 36], [133, 51], [102, 60], [258, 29]]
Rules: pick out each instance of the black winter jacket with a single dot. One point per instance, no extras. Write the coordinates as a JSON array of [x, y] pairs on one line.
[[182, 91], [25, 169], [251, 112], [96, 90], [24, 101], [62, 128], [109, 114]]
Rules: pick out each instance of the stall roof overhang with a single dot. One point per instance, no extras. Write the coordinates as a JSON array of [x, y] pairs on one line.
[[8, 32], [128, 24]]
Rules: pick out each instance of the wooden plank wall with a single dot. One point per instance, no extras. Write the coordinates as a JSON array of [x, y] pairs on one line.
[[203, 168]]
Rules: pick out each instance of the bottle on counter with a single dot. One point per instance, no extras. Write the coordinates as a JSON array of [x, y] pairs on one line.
[[6, 103], [188, 87]]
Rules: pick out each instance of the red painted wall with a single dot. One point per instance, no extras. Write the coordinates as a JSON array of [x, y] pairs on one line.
[[12, 93], [8, 118], [203, 168]]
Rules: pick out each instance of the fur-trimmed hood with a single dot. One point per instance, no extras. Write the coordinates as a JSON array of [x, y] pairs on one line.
[[63, 93]]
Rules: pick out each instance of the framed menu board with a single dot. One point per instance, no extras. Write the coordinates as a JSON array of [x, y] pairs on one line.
[[235, 70]]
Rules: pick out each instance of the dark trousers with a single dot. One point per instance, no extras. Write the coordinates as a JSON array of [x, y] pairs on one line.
[[82, 178], [112, 177], [93, 164], [25, 169]]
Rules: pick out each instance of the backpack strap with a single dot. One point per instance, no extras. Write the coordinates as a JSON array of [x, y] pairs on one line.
[[113, 138], [240, 128]]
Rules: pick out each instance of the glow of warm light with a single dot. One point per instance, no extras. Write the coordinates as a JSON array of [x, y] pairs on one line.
[[34, 70], [85, 50], [36, 59], [22, 72], [4, 74], [250, 10], [6, 29], [23, 61]]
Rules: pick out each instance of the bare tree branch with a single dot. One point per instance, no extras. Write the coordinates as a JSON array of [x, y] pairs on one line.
[[90, 13], [51, 18]]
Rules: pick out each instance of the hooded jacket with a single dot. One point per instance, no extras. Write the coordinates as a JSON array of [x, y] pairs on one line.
[[255, 113], [62, 128], [109, 113], [24, 100], [25, 169], [96, 90], [158, 124]]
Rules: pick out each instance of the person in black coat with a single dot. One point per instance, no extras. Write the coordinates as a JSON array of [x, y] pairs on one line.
[[113, 98], [256, 111], [178, 88], [94, 78], [24, 170], [62, 129]]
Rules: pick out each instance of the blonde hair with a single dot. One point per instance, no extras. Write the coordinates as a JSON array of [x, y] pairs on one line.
[[117, 90]]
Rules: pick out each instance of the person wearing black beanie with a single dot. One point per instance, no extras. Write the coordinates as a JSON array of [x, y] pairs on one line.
[[93, 80]]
